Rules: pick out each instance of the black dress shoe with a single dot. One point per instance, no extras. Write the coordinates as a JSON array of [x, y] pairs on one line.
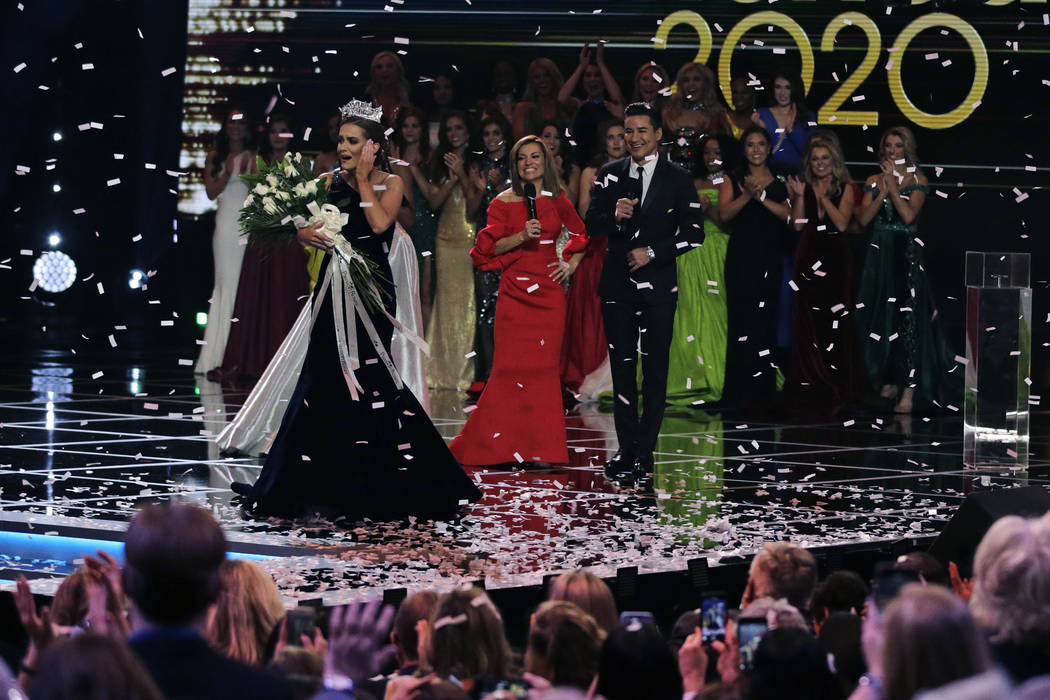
[[621, 463], [644, 463]]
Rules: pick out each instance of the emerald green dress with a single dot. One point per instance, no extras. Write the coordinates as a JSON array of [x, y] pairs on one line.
[[900, 330], [697, 360]]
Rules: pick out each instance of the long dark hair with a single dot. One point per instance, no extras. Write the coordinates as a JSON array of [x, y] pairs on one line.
[[375, 132], [601, 156], [743, 168], [403, 113], [798, 90], [265, 149], [727, 146], [438, 169], [564, 149], [222, 139]]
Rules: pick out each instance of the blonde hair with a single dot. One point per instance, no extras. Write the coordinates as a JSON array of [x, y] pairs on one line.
[[589, 593], [786, 614], [465, 636], [709, 97], [1011, 580], [839, 173], [240, 623], [552, 69], [665, 80], [401, 82], [911, 155], [790, 570], [551, 179]]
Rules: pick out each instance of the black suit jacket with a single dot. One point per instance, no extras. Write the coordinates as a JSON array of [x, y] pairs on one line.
[[669, 220], [184, 666]]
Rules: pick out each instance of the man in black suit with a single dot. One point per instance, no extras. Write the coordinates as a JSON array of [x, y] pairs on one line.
[[171, 574], [649, 209]]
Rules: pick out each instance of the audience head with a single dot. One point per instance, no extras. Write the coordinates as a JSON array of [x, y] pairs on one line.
[[780, 611], [926, 566], [841, 591], [91, 667], [409, 125], [504, 78], [590, 594], [354, 133], [70, 604], [495, 133], [696, 83], [718, 152], [440, 689], [173, 553], [455, 133], [545, 80], [243, 618], [1011, 581], [787, 90], [387, 75], [824, 159], [754, 146], [783, 570], [563, 645], [742, 92], [789, 663], [592, 82], [931, 640], [278, 138], [610, 142], [642, 128], [404, 635], [898, 143], [532, 150], [839, 637], [464, 637], [443, 93], [635, 662], [236, 132], [301, 668], [650, 81]]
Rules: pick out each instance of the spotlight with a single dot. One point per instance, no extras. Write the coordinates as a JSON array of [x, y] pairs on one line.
[[135, 279], [57, 136], [202, 318], [55, 271], [56, 187], [54, 239]]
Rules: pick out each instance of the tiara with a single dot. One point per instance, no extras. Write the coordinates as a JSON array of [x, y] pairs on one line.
[[356, 109]]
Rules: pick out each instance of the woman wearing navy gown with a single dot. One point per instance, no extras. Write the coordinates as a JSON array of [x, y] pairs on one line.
[[376, 454]]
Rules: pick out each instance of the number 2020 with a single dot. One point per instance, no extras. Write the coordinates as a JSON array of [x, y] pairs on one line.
[[832, 111]]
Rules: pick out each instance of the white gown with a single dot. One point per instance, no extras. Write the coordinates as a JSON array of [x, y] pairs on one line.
[[260, 416], [227, 245]]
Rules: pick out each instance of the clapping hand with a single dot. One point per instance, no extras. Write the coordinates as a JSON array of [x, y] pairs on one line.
[[797, 186], [454, 163], [600, 57], [37, 624], [105, 595], [963, 587], [585, 54]]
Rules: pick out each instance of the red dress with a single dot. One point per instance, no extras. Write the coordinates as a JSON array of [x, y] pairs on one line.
[[585, 347], [519, 417]]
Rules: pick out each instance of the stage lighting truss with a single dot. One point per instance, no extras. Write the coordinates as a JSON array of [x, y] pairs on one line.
[[54, 271]]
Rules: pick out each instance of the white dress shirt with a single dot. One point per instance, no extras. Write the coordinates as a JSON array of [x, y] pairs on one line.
[[647, 168]]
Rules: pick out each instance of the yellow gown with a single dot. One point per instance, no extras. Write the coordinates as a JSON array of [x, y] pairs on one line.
[[451, 330]]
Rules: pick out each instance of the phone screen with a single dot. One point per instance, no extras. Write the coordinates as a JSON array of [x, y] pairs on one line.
[[713, 619], [300, 622], [887, 584], [642, 616], [749, 631]]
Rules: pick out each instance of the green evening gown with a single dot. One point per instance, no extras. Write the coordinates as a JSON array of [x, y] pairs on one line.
[[900, 331], [697, 360]]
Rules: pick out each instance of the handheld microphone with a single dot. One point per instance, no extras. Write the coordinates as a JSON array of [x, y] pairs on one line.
[[633, 190], [530, 199]]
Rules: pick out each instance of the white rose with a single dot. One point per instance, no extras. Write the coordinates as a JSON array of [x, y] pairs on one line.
[[298, 157], [283, 195], [250, 201], [299, 190], [272, 179], [290, 171], [261, 189], [269, 206], [311, 187]]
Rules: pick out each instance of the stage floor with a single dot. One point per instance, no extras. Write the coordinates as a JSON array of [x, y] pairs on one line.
[[80, 451]]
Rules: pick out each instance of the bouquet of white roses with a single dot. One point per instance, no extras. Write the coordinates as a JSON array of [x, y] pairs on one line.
[[286, 196]]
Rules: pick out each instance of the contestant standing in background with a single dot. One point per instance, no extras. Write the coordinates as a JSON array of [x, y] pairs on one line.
[[451, 188], [649, 210], [585, 349], [329, 159], [738, 118], [388, 87], [274, 283], [569, 173], [540, 101], [410, 150], [758, 210], [691, 113], [376, 454], [696, 362], [492, 177], [910, 359], [232, 157], [441, 99], [504, 89], [786, 121], [519, 417], [651, 83], [602, 100], [824, 372]]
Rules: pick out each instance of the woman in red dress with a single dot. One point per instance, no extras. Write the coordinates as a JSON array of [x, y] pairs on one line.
[[519, 417]]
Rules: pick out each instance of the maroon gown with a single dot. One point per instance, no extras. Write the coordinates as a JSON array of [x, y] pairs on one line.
[[825, 371], [273, 287], [519, 417], [585, 348]]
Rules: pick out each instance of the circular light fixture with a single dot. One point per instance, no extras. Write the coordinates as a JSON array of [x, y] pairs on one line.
[[57, 136], [55, 271], [54, 239], [135, 278], [56, 187]]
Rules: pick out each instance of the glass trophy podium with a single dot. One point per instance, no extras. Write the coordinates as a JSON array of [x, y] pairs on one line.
[[998, 360]]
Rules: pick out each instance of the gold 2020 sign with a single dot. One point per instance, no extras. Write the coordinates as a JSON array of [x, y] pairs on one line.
[[832, 111]]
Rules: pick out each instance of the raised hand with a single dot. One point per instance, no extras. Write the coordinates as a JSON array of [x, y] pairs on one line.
[[625, 208], [358, 632], [600, 54], [105, 594], [366, 161], [585, 54], [796, 186], [692, 662], [756, 120], [454, 163], [963, 587], [37, 625]]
